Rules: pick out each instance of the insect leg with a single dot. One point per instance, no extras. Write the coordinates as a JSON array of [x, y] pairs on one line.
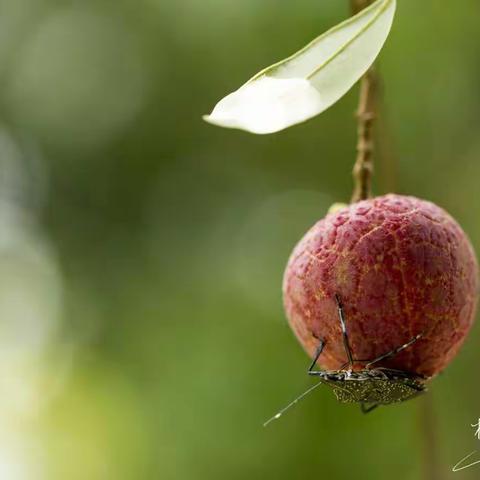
[[344, 330], [318, 352], [394, 351], [367, 409]]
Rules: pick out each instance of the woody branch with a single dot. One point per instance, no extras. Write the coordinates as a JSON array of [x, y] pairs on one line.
[[366, 115]]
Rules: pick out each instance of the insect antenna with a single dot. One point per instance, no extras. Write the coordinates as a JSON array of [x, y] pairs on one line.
[[291, 404]]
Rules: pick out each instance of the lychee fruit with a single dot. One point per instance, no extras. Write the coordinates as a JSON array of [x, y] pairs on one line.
[[401, 267]]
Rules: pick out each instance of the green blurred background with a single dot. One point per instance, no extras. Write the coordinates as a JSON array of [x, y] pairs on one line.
[[141, 250]]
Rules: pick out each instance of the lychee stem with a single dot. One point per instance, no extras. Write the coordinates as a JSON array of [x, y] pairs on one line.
[[366, 115]]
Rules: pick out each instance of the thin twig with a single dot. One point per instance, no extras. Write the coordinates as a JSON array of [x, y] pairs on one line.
[[427, 424], [366, 114]]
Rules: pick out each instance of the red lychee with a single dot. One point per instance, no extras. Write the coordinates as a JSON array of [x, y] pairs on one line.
[[401, 266]]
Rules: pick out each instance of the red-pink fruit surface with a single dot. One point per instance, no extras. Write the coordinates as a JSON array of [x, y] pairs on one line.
[[401, 266]]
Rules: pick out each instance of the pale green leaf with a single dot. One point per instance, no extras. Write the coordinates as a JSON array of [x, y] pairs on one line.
[[308, 82]]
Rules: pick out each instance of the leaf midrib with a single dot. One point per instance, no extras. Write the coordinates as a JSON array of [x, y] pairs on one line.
[[352, 40]]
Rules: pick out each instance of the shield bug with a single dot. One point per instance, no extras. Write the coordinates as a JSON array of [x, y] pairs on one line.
[[372, 385]]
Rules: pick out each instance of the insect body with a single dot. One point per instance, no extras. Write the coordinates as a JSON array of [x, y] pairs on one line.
[[370, 387], [373, 386]]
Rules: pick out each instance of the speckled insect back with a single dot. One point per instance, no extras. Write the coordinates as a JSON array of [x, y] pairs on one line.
[[402, 267], [373, 385], [370, 388]]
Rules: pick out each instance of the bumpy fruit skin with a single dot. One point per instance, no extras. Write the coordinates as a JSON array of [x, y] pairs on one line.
[[401, 266]]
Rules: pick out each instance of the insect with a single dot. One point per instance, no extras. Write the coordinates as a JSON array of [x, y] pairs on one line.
[[370, 387]]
